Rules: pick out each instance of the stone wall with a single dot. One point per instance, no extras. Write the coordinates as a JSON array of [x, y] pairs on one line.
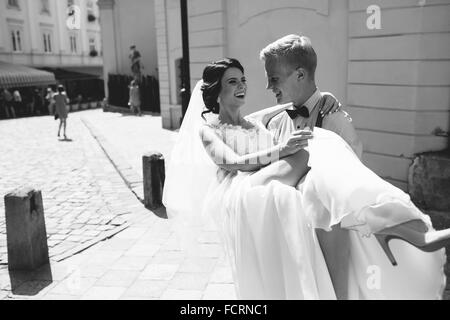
[[125, 23], [135, 24], [206, 34], [398, 82], [253, 24]]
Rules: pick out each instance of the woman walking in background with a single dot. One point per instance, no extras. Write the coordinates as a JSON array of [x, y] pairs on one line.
[[135, 98], [49, 101], [60, 101], [17, 102]]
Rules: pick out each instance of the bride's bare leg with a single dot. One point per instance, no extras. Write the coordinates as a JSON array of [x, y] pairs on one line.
[[288, 170], [335, 246]]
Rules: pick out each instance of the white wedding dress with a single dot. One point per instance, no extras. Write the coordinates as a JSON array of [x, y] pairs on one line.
[[268, 231]]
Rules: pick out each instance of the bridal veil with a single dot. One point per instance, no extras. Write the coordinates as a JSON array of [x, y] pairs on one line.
[[190, 173]]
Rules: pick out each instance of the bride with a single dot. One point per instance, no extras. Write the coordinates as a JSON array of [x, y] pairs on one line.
[[227, 167]]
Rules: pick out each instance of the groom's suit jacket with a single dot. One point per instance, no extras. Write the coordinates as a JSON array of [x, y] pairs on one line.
[[340, 122]]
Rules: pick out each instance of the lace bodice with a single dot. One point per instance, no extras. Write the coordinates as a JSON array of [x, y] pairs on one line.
[[242, 140]]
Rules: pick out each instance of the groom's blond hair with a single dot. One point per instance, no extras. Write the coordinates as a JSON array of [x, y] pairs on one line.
[[294, 51]]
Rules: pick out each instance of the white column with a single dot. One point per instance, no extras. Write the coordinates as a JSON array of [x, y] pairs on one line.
[[60, 24], [83, 34], [3, 27], [108, 39], [163, 63], [32, 27]]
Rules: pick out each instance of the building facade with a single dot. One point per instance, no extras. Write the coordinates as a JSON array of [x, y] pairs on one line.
[[387, 61], [51, 33], [125, 23]]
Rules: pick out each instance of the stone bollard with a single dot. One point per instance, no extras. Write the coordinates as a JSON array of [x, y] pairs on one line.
[[429, 186], [25, 230], [154, 176], [429, 181]]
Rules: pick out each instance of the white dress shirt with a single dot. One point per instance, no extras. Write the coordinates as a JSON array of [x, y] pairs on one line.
[[340, 122]]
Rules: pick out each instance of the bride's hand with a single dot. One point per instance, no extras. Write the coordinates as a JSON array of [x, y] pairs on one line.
[[329, 104], [297, 141]]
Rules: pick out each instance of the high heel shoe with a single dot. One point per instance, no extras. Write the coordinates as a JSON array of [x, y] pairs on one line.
[[414, 234]]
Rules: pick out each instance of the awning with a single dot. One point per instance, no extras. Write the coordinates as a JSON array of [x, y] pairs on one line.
[[13, 75], [92, 70], [67, 75]]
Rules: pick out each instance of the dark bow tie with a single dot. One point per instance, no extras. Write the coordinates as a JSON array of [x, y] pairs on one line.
[[302, 111]]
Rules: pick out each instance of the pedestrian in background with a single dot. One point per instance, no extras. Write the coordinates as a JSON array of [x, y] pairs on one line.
[[28, 102], [8, 97], [49, 100], [38, 102], [17, 102], [3, 104], [60, 101], [135, 98]]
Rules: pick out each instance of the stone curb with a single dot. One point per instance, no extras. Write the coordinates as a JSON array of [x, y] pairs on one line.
[[133, 181], [102, 237], [123, 168], [90, 243], [116, 109]]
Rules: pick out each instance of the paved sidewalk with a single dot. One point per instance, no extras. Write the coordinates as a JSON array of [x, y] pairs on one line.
[[125, 139], [84, 199]]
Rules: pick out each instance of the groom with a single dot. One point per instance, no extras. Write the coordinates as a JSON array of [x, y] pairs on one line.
[[290, 64]]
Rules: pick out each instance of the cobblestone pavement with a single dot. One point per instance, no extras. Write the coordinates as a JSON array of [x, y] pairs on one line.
[[126, 138], [84, 197], [145, 261]]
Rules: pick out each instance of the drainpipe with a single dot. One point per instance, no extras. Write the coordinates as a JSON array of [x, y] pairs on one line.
[[185, 69]]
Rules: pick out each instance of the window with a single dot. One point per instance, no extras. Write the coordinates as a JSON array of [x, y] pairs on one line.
[[45, 7], [47, 41], [92, 44], [13, 4], [92, 47], [90, 11], [73, 43], [16, 39]]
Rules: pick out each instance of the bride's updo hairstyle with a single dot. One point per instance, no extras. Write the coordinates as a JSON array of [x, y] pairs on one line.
[[212, 77]]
